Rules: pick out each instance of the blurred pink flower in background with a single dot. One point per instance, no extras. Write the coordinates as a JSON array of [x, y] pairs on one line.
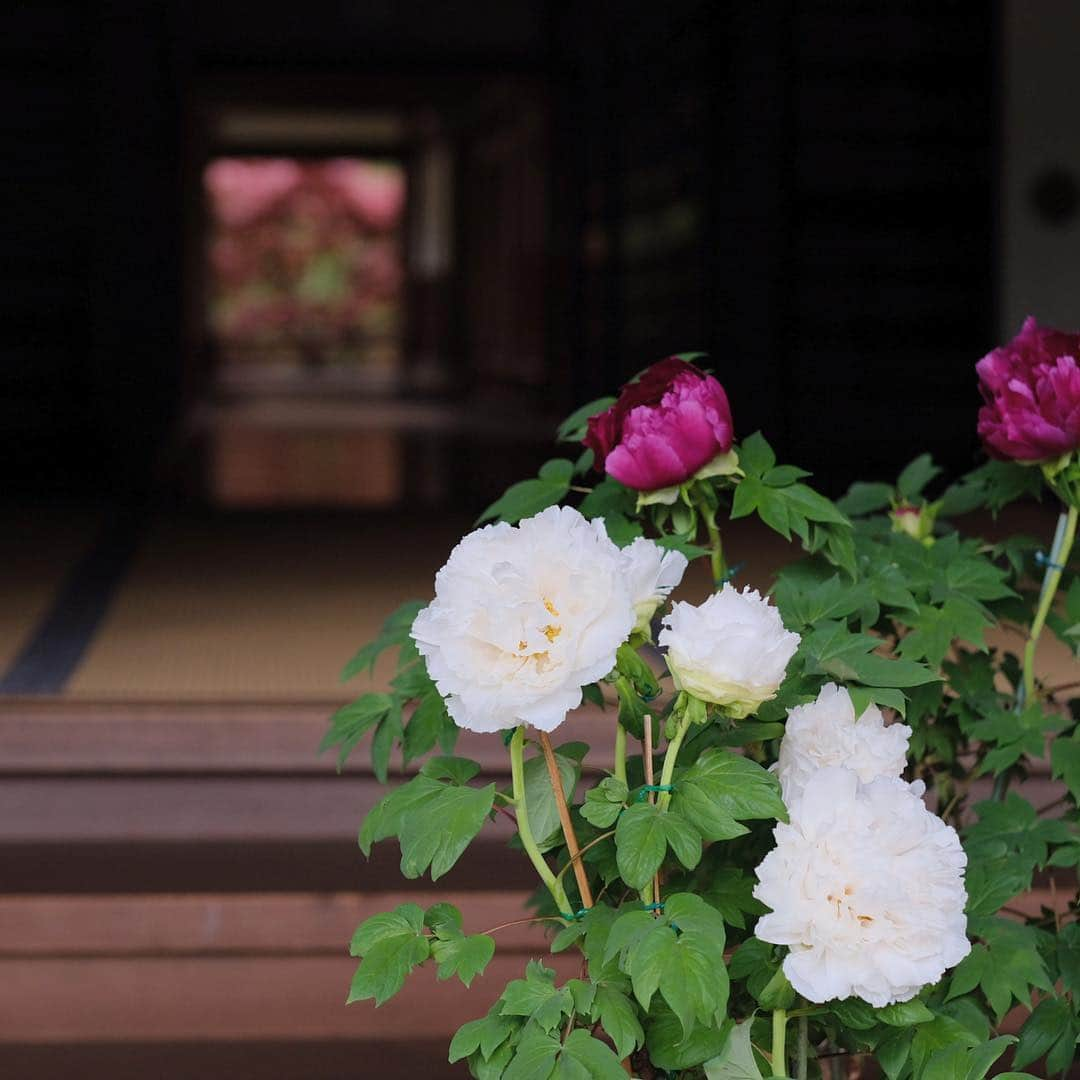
[[374, 192], [665, 427], [1032, 391], [242, 191], [306, 259]]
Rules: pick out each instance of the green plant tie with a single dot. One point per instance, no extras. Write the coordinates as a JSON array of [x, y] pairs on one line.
[[646, 788], [1044, 560], [574, 916]]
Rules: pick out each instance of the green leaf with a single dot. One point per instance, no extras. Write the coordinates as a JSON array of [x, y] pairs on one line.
[[721, 789], [863, 498], [537, 998], [426, 726], [604, 803], [351, 722], [1065, 760], [1068, 958], [434, 821], [583, 1056], [529, 497], [736, 1060], [670, 1049], [904, 1014], [731, 892], [618, 1017], [641, 841], [893, 1051], [391, 944], [485, 1035], [1050, 1021], [443, 920], [382, 742], [395, 631], [935, 629], [436, 832], [916, 476], [832, 649], [534, 1058], [687, 969], [628, 929], [463, 956], [574, 427], [1015, 965], [756, 455], [833, 598]]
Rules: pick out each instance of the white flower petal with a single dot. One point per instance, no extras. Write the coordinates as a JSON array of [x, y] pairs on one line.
[[825, 732], [523, 617], [866, 887], [731, 650]]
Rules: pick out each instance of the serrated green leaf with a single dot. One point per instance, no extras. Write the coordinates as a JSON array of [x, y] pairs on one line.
[[537, 998], [391, 944], [642, 837], [721, 789], [463, 956]]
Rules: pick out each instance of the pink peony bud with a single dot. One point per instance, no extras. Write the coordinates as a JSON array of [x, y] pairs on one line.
[[1032, 391], [665, 427]]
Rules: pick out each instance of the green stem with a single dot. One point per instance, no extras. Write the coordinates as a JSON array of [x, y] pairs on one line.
[[528, 841], [800, 1061], [779, 1030], [716, 548], [1059, 557], [670, 756], [620, 752]]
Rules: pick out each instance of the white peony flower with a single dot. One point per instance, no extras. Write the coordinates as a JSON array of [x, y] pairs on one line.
[[731, 650], [866, 887], [523, 617], [651, 573], [825, 732]]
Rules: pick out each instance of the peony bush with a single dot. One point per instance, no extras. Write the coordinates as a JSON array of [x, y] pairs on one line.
[[800, 839]]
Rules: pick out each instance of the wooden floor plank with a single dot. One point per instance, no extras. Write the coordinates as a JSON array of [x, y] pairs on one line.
[[213, 923], [65, 1000]]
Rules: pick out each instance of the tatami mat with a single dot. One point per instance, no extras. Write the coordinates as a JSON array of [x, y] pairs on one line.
[[37, 549], [269, 608], [256, 609]]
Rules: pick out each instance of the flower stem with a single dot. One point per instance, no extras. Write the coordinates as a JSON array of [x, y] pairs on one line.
[[528, 842], [651, 892], [779, 1030], [1059, 557], [716, 548], [572, 846], [670, 757], [800, 1061], [620, 752]]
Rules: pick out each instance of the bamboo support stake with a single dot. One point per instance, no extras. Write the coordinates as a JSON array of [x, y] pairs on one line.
[[567, 825]]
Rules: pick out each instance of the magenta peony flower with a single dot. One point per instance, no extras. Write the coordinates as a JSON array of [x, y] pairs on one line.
[[1032, 392], [663, 428]]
